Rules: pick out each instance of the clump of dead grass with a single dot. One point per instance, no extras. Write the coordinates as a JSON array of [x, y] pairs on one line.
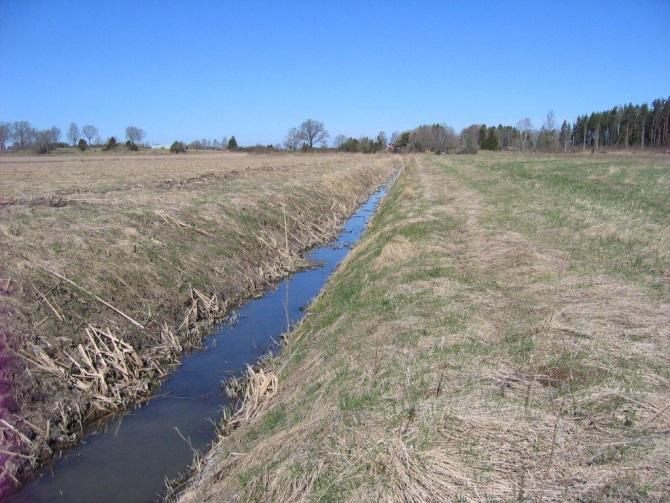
[[251, 393], [397, 250]]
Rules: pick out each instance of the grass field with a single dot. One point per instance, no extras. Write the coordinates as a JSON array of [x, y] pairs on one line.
[[499, 334], [111, 265]]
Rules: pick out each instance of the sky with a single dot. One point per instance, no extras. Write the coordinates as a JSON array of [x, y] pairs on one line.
[[193, 69]]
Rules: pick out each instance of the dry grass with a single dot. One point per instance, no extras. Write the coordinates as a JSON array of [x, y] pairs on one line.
[[517, 356], [396, 251], [252, 391], [112, 265]]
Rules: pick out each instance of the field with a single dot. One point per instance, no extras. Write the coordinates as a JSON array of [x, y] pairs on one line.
[[110, 266], [499, 334]]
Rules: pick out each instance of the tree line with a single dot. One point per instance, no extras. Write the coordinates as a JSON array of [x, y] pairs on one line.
[[440, 138], [179, 147], [312, 133], [212, 144], [22, 136], [621, 127]]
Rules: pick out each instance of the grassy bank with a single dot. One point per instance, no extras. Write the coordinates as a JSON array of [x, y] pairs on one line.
[[500, 333], [113, 265]]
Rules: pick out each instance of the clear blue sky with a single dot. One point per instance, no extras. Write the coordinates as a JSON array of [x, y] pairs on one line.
[[253, 69]]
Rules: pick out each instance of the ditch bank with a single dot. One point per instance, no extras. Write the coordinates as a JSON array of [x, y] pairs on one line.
[[456, 355], [93, 335]]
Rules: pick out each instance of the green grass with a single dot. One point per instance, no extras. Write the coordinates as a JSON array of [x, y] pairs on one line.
[[518, 337], [550, 200]]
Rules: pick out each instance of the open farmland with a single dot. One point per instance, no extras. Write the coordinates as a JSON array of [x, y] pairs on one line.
[[112, 265], [501, 333]]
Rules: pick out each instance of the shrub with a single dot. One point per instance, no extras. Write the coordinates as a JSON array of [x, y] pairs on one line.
[[82, 145], [470, 140], [351, 145], [40, 148], [404, 139], [111, 144], [131, 146], [491, 142], [178, 147]]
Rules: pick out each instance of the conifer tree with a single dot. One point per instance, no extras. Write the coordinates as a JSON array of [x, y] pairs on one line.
[[492, 140], [482, 136]]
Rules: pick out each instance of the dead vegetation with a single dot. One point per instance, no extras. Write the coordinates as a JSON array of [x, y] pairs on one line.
[[507, 360], [396, 251], [251, 392], [114, 266]]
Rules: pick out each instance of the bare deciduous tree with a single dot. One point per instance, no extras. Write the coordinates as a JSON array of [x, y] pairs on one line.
[[470, 139], [550, 121], [47, 139], [22, 133], [89, 132], [42, 140], [73, 133], [4, 136], [54, 134], [436, 137], [382, 140], [547, 139], [525, 126], [312, 132], [292, 140], [134, 134], [340, 140]]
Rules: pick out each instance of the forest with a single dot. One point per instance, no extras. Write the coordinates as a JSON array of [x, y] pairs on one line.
[[621, 127]]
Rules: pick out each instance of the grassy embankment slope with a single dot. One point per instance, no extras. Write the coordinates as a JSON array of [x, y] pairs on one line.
[[111, 265], [501, 333]]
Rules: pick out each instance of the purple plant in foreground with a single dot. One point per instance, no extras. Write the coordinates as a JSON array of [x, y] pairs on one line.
[[8, 406]]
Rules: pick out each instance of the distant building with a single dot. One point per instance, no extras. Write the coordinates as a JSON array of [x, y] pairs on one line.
[[158, 146]]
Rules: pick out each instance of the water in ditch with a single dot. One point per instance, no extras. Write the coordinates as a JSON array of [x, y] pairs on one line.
[[129, 458]]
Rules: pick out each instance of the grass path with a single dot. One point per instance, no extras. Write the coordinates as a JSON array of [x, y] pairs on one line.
[[500, 333]]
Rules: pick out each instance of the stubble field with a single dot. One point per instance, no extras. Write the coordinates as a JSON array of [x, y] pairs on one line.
[[110, 266]]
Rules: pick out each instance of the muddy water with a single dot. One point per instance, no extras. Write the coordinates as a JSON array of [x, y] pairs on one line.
[[129, 458]]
